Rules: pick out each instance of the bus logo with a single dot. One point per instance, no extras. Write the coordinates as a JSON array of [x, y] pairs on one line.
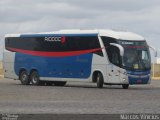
[[55, 39], [63, 39]]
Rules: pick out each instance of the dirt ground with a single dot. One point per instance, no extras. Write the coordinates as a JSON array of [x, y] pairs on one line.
[[78, 98]]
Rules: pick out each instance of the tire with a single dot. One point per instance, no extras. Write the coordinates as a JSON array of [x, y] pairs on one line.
[[24, 78], [59, 83], [100, 80], [125, 86], [35, 78]]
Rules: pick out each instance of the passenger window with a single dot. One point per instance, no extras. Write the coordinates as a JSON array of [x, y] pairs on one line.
[[114, 55]]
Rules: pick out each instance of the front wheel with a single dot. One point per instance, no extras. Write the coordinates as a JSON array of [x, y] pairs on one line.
[[125, 86], [35, 78], [100, 80]]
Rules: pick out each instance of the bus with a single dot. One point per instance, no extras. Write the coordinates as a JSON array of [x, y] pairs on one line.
[[104, 57]]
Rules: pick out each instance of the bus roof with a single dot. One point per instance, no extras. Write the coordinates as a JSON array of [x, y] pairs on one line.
[[123, 35]]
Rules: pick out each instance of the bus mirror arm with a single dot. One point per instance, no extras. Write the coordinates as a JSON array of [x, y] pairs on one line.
[[121, 49], [154, 49]]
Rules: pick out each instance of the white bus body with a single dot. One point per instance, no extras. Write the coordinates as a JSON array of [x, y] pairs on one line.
[[101, 56]]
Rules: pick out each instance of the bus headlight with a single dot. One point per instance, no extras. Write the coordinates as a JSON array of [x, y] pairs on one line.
[[124, 79]]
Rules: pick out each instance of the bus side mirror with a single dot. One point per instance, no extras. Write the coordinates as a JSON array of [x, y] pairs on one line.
[[155, 51], [121, 49]]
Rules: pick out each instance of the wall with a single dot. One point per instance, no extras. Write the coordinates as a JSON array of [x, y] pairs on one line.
[[1, 68], [156, 71]]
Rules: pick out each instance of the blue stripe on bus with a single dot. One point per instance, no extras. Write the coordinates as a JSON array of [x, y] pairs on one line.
[[57, 35], [58, 67]]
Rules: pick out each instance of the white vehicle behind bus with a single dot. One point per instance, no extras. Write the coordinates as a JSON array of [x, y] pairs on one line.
[[100, 56]]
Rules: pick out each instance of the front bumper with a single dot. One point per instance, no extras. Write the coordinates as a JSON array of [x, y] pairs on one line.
[[139, 77]]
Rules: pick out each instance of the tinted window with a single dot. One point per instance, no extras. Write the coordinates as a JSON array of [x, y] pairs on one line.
[[114, 55], [108, 40], [70, 43], [112, 51]]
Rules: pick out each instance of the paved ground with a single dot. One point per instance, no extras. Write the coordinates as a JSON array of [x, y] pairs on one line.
[[78, 98]]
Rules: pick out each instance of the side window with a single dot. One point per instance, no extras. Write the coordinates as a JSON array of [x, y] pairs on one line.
[[72, 43], [108, 40], [7, 41], [112, 51], [10, 42], [84, 43], [114, 55]]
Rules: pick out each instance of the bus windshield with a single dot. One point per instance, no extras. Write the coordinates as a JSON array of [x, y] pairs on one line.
[[136, 55]]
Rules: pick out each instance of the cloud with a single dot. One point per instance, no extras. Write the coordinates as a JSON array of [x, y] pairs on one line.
[[115, 5], [28, 16], [140, 16]]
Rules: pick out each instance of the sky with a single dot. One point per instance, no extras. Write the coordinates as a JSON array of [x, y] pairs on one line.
[[28, 16]]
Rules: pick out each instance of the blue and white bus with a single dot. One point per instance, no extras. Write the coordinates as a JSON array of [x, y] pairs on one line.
[[100, 56]]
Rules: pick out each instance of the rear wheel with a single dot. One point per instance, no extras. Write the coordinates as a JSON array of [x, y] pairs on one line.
[[35, 78], [24, 78], [100, 80], [59, 83], [125, 86]]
